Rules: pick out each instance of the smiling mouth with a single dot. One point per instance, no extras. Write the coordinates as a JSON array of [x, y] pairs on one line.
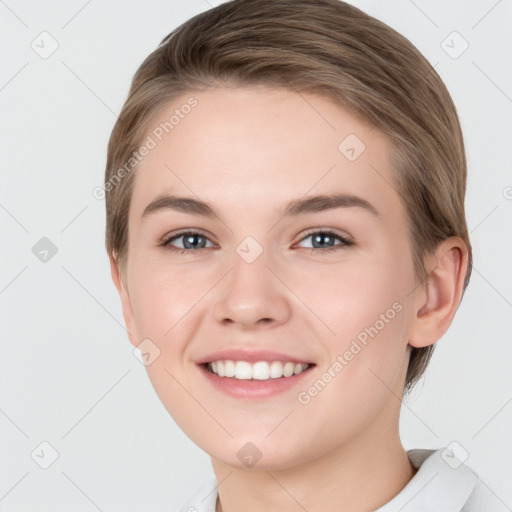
[[261, 370]]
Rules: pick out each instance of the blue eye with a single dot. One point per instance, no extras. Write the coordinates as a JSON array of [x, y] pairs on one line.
[[189, 241], [320, 237], [191, 244]]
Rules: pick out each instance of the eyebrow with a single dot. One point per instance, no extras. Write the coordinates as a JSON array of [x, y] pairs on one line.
[[302, 206]]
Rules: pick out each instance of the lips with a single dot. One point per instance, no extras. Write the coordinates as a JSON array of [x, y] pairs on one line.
[[253, 374]]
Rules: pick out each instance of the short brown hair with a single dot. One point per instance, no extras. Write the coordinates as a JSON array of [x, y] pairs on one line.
[[325, 47]]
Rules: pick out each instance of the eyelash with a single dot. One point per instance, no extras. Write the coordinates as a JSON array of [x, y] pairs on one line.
[[346, 242]]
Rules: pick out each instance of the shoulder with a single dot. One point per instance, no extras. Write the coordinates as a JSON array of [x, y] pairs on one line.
[[484, 499], [471, 492], [445, 484]]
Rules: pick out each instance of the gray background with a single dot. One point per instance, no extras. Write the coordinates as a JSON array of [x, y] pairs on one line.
[[68, 373]]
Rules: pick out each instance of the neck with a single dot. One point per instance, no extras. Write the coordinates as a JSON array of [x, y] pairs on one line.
[[359, 476]]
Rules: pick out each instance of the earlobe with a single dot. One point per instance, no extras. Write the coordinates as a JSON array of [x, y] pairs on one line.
[[437, 298], [126, 303]]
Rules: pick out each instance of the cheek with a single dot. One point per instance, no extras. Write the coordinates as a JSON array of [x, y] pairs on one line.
[[367, 356], [164, 297], [357, 298], [368, 311]]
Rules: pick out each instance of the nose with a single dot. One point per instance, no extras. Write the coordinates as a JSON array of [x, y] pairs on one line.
[[252, 295]]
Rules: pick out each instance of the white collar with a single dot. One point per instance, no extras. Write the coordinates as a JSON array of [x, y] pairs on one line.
[[436, 486]]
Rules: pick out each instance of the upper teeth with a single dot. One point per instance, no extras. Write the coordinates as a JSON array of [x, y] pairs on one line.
[[262, 370]]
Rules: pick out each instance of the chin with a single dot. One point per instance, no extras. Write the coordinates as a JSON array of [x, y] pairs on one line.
[[265, 455]]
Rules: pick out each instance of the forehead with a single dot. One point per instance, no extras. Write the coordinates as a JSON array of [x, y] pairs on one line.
[[254, 149]]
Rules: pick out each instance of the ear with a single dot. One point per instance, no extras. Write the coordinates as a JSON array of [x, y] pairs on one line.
[[126, 303], [437, 298]]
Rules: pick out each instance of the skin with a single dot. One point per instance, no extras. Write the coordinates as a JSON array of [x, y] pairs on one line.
[[247, 152]]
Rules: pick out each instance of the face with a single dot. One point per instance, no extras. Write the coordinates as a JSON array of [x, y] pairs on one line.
[[270, 279]]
